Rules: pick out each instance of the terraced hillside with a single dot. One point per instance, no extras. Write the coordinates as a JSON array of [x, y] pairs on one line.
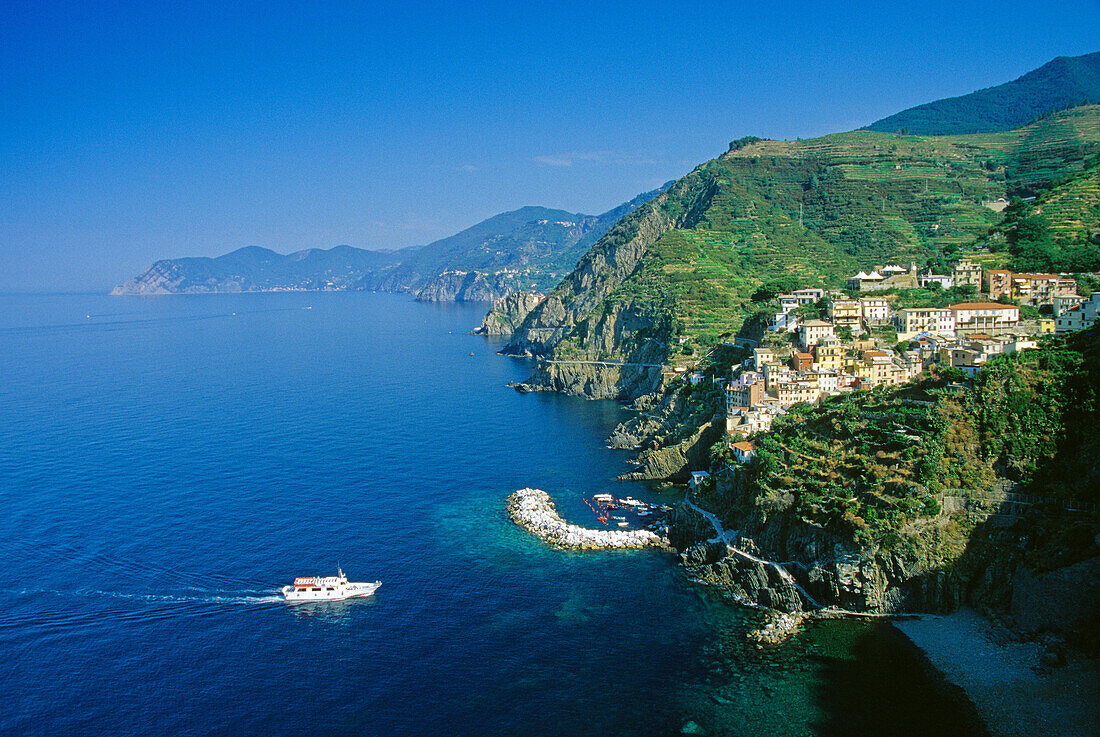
[[820, 208], [1059, 230]]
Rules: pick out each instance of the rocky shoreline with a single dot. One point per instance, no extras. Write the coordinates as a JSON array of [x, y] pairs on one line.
[[534, 511]]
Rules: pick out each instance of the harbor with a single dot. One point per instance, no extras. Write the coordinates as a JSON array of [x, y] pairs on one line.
[[534, 511]]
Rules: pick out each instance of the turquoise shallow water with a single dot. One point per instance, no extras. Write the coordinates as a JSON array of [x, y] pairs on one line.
[[167, 463]]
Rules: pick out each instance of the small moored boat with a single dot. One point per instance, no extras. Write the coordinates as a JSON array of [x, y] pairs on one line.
[[329, 588]]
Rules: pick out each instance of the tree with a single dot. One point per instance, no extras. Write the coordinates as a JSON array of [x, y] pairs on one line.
[[772, 288], [1030, 244]]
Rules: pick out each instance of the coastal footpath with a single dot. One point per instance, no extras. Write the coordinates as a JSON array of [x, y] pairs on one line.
[[534, 511]]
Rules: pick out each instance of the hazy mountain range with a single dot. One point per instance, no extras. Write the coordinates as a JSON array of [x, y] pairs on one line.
[[529, 248]]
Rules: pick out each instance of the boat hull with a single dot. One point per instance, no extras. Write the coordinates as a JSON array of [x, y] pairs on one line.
[[343, 593]]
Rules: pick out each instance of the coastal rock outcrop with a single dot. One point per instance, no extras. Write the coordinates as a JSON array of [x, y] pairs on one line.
[[617, 353], [466, 286], [508, 313], [790, 566], [534, 511], [678, 460]]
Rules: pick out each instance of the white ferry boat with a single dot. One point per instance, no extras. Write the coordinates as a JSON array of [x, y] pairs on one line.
[[329, 588]]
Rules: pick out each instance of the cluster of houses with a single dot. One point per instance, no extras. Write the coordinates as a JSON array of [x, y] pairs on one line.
[[820, 364], [826, 357]]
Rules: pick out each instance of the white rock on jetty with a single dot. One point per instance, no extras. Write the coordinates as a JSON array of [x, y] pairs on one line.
[[533, 510], [777, 628]]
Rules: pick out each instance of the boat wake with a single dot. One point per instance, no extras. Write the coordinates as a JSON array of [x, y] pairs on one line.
[[98, 606], [226, 597]]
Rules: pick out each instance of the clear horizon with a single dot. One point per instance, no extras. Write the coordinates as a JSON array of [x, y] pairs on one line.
[[133, 133]]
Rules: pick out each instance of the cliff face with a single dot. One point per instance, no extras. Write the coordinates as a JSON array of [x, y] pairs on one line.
[[509, 312], [783, 563], [613, 353], [571, 307], [1022, 566], [466, 286], [166, 277], [598, 344]]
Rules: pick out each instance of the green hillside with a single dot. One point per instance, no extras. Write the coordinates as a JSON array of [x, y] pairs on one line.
[[1059, 230], [1062, 83], [823, 208], [874, 461]]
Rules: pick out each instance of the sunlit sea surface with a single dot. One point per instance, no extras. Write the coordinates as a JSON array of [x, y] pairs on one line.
[[167, 463]]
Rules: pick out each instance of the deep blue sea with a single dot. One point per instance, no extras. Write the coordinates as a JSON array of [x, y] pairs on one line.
[[167, 463]]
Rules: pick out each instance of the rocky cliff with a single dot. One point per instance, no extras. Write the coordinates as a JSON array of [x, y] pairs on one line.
[[781, 562], [467, 286], [508, 313], [597, 343], [1023, 567], [570, 309], [613, 353]]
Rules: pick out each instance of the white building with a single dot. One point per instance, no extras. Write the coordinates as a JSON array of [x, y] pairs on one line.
[[985, 317], [784, 322], [1061, 304], [944, 280], [828, 381], [1079, 317], [812, 332], [912, 321], [743, 451], [809, 296], [876, 310], [788, 302]]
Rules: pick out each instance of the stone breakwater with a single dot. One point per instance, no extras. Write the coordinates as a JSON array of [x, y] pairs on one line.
[[533, 510]]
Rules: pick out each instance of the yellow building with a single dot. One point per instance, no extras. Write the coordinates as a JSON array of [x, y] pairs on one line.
[[846, 312], [829, 354], [966, 273]]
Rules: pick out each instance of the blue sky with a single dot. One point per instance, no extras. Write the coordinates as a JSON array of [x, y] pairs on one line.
[[132, 131]]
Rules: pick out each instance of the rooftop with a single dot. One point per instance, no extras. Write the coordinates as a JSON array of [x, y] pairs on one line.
[[981, 306]]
